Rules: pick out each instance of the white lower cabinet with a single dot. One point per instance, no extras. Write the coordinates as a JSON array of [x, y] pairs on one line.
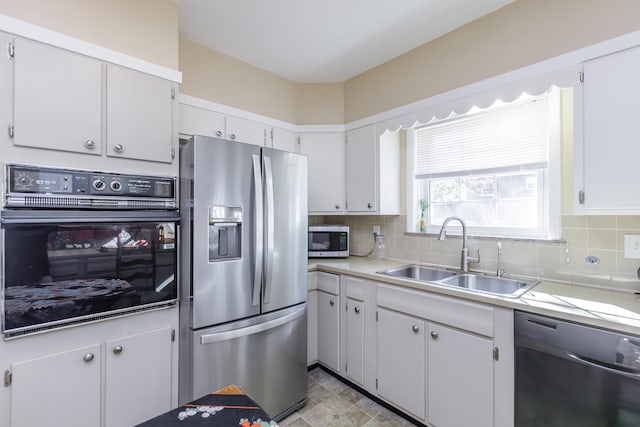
[[354, 367], [459, 374], [137, 377], [328, 320], [312, 318], [135, 373], [402, 361], [61, 389]]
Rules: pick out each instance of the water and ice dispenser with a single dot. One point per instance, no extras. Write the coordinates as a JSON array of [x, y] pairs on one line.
[[225, 233]]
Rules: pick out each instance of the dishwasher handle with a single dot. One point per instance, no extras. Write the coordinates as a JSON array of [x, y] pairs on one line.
[[614, 369]]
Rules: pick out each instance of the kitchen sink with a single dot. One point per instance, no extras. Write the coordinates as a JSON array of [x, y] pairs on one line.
[[491, 284], [419, 272], [478, 282]]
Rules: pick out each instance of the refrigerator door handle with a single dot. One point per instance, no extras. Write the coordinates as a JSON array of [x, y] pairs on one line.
[[268, 177], [250, 330], [259, 223]]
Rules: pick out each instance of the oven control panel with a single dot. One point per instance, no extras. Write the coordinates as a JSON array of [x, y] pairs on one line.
[[29, 185]]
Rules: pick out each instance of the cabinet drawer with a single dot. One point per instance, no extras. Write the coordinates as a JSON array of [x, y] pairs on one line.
[[473, 317], [329, 283], [355, 287]]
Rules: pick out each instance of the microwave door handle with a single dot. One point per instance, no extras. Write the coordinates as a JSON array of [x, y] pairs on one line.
[[270, 219], [258, 227]]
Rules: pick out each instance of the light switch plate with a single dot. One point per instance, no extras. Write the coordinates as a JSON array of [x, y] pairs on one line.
[[632, 246]]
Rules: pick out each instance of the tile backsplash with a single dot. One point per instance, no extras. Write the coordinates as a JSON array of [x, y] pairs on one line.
[[584, 236]]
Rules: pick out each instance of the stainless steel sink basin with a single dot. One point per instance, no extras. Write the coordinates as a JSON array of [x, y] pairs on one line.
[[506, 287], [419, 272], [494, 285]]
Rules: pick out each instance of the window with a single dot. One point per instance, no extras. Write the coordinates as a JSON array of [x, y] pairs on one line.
[[496, 168]]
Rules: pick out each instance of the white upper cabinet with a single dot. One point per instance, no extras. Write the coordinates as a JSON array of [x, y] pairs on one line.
[[201, 121], [247, 131], [69, 102], [605, 162], [372, 167], [283, 139], [57, 99], [139, 115], [325, 152]]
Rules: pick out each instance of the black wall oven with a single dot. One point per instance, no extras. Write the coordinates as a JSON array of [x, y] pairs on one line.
[[81, 246]]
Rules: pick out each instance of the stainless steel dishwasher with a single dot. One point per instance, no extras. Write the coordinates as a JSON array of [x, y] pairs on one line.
[[569, 374]]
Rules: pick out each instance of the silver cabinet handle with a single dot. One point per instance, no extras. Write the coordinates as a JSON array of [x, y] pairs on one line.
[[232, 136], [118, 148], [117, 349], [415, 328], [218, 133], [90, 144], [88, 357], [369, 205], [337, 206], [356, 309], [434, 335], [332, 303]]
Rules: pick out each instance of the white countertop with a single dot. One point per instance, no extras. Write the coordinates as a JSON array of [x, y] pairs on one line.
[[619, 311]]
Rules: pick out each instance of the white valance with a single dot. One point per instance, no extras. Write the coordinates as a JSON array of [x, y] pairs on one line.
[[482, 95]]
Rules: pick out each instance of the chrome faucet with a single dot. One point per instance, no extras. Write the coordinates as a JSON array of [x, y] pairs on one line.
[[500, 271], [465, 259]]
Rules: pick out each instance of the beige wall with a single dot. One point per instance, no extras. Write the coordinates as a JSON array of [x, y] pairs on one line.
[[321, 103], [147, 29], [520, 34], [216, 77]]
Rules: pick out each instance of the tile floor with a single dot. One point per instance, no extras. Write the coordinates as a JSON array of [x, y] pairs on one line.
[[332, 403]]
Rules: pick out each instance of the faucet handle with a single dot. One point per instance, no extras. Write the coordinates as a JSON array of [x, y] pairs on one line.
[[474, 259]]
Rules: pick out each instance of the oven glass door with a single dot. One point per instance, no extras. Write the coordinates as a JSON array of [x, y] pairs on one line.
[[56, 273]]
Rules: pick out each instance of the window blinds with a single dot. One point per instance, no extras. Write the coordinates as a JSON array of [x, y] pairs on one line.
[[509, 137]]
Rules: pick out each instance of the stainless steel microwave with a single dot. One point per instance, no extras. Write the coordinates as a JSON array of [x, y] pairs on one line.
[[328, 241]]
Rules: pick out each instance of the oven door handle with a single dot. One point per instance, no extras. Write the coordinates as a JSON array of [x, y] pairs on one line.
[[617, 370]]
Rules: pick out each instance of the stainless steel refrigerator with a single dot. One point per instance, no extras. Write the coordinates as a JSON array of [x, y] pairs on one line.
[[243, 281]]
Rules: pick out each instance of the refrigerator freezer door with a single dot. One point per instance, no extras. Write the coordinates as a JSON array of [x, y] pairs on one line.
[[264, 356], [286, 231], [223, 181]]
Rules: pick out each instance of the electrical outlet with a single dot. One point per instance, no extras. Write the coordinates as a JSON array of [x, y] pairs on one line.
[[632, 246], [376, 229]]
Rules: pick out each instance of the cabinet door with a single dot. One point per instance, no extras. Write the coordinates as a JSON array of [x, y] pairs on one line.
[[139, 115], [355, 341], [246, 131], [460, 373], [312, 326], [62, 389], [360, 168], [57, 99], [138, 377], [402, 361], [283, 139], [328, 332], [611, 132], [200, 121], [325, 152]]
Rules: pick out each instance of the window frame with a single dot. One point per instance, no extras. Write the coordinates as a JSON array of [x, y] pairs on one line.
[[551, 226]]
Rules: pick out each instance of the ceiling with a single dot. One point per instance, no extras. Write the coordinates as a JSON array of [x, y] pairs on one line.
[[323, 41]]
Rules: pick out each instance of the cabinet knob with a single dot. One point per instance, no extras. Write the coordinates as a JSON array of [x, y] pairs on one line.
[[415, 328], [356, 309], [332, 302], [118, 148], [117, 349], [232, 136], [434, 335], [369, 205], [337, 206], [90, 144], [88, 357], [218, 133]]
